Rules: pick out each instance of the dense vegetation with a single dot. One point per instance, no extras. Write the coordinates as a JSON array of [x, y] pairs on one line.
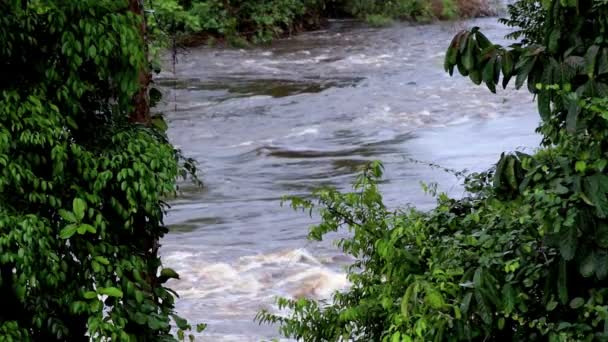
[[83, 174], [524, 255], [193, 21]]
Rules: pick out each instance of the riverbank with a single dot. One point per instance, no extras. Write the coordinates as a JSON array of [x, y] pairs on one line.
[[238, 24]]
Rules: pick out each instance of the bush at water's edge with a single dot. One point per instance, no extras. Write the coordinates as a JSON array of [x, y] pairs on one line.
[[238, 24]]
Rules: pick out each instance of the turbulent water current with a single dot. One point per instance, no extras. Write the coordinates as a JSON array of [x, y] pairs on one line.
[[305, 112]]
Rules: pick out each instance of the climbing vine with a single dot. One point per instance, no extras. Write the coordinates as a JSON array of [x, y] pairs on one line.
[[83, 179]]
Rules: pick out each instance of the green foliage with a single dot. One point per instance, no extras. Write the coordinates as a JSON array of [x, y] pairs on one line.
[[81, 185], [263, 21], [523, 256], [378, 20], [375, 11], [258, 21]]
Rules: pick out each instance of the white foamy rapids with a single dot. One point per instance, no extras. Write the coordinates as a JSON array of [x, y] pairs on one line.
[[240, 288], [302, 132]]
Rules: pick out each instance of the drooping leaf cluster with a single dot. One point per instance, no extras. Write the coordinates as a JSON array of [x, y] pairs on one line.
[[524, 255], [81, 185]]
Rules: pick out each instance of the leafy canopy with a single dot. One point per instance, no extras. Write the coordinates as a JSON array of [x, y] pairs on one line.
[[81, 185]]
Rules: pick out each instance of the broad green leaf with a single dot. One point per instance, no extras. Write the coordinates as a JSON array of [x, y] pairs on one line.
[[509, 297], [466, 302], [568, 240], [169, 273], [434, 299], [527, 64], [475, 77], [488, 74], [67, 215], [110, 291], [544, 105], [469, 57], [507, 67], [587, 266], [601, 264], [90, 295], [554, 40], [602, 63], [577, 302], [78, 207], [595, 188], [590, 60], [68, 231], [102, 260], [551, 305], [158, 121], [482, 40]]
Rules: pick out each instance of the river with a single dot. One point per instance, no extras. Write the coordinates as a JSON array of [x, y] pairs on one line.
[[304, 112]]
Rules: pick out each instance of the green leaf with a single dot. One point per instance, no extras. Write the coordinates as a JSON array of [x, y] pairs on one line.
[[577, 303], [544, 105], [587, 266], [554, 40], [67, 215], [507, 68], [468, 59], [466, 302], [601, 264], [475, 76], [84, 228], [595, 188], [68, 231], [169, 273], [483, 310], [110, 291], [102, 260], [482, 40], [501, 323], [90, 295], [602, 64], [573, 112], [434, 299], [158, 121], [567, 242], [180, 322], [590, 60], [488, 74], [551, 305], [509, 297], [527, 64], [78, 207]]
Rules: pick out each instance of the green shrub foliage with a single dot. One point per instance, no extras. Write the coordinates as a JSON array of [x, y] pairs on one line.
[[81, 186], [524, 255], [261, 21]]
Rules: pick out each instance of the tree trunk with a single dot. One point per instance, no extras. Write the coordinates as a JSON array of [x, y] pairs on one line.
[[141, 103]]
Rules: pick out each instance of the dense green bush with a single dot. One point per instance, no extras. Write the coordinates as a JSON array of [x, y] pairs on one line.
[[524, 255], [262, 21], [83, 176], [397, 9]]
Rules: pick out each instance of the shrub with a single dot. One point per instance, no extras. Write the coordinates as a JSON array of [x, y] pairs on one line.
[[523, 256], [378, 20], [83, 175]]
